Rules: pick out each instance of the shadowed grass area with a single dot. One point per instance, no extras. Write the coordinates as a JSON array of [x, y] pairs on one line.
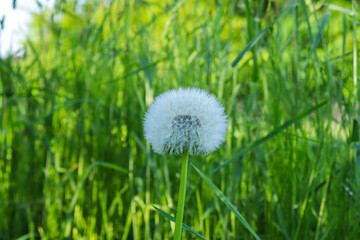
[[73, 160]]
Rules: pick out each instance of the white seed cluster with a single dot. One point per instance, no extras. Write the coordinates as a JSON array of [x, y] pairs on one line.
[[185, 119], [185, 134]]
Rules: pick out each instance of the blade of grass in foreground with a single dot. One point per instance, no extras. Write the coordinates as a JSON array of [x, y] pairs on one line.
[[269, 136], [164, 214], [226, 201]]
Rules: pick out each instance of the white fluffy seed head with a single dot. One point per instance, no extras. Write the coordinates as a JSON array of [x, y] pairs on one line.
[[185, 119]]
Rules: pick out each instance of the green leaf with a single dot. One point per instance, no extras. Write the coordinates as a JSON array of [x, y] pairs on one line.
[[253, 41], [250, 45], [341, 9], [142, 68], [108, 165], [269, 136], [355, 131], [184, 226], [324, 22], [226, 201]]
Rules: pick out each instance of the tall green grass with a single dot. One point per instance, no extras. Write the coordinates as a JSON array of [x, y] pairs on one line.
[[73, 160]]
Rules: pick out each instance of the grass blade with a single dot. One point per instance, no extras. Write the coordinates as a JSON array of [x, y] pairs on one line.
[[142, 68], [324, 22], [226, 201], [259, 36], [164, 214], [269, 136], [341, 9], [107, 165], [250, 45], [355, 131], [83, 180]]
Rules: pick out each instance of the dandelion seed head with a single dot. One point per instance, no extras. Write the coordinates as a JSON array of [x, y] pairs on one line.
[[185, 119]]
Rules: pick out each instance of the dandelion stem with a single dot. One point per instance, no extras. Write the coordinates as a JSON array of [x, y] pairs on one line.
[[182, 193]]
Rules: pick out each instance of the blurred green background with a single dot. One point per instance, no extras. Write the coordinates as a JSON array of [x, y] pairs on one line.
[[73, 160]]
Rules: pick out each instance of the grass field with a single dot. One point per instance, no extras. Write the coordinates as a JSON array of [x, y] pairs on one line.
[[74, 163]]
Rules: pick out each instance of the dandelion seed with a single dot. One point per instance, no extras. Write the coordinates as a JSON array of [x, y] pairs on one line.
[[185, 120]]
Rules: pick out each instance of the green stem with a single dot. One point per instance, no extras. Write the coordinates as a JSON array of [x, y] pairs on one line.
[[182, 193]]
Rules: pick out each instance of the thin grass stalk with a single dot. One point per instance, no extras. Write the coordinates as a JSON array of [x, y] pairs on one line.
[[354, 54]]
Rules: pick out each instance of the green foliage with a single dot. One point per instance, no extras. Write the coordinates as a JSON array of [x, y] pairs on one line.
[[73, 160]]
